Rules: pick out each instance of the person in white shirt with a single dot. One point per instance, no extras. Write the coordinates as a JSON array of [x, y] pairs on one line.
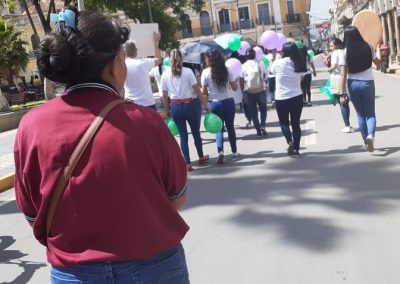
[[216, 82], [337, 60], [271, 77], [307, 79], [253, 74], [180, 84], [288, 96], [137, 84], [359, 56]]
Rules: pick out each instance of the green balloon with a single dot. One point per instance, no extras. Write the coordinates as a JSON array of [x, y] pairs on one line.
[[298, 43], [234, 44], [311, 53], [265, 60], [167, 61], [172, 126], [212, 123]]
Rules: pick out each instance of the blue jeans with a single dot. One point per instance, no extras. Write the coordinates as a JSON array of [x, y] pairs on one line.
[[253, 100], [291, 107], [362, 95], [190, 112], [345, 110], [226, 111], [246, 107], [271, 87], [168, 267]]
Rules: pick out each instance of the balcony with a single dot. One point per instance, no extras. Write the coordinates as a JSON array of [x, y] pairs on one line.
[[265, 21], [293, 18]]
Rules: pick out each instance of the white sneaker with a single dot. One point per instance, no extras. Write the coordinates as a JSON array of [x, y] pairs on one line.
[[364, 147], [347, 129], [235, 154], [370, 143]]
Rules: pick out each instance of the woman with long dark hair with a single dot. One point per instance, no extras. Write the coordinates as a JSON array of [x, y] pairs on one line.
[[117, 216], [288, 96], [307, 79], [185, 104], [216, 82], [359, 56], [337, 60]]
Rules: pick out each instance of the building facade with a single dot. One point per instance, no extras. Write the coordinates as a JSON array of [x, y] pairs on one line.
[[247, 16], [389, 13]]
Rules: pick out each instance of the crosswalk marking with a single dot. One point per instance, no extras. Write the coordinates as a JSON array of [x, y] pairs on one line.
[[310, 132]]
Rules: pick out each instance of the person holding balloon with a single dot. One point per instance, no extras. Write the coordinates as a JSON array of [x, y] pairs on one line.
[[336, 63], [179, 84], [253, 74], [306, 81], [216, 81], [137, 84], [289, 98]]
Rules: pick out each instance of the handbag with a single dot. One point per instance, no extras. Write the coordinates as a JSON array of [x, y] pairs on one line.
[[73, 161]]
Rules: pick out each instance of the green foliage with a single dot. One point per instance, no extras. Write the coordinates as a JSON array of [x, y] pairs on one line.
[[11, 5], [138, 9], [13, 55]]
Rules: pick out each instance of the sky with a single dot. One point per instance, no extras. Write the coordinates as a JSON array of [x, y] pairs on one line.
[[320, 10]]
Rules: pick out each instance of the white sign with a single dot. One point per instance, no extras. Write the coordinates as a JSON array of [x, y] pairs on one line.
[[142, 34]]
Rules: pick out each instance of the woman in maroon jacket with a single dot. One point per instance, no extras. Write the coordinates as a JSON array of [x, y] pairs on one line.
[[117, 219]]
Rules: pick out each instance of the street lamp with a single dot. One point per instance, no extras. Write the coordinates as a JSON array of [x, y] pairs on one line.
[[81, 5], [150, 13]]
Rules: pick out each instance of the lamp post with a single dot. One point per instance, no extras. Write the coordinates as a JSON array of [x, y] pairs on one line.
[[81, 5], [150, 13]]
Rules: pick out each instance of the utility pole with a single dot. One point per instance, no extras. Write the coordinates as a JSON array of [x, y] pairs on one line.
[[238, 16], [81, 5], [150, 13], [212, 17]]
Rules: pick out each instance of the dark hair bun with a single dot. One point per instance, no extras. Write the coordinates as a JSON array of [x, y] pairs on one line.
[[56, 58]]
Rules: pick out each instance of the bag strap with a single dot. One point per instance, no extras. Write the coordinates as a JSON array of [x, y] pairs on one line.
[[73, 161]]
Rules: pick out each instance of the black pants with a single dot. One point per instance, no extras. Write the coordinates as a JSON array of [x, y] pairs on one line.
[[293, 108], [306, 87]]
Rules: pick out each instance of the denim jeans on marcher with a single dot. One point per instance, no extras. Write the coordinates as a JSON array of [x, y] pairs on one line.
[[168, 267], [362, 95], [226, 111], [345, 110], [290, 108], [191, 113], [260, 100]]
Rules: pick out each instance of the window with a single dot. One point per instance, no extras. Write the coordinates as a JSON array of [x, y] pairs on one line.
[[264, 16], [290, 7], [244, 14]]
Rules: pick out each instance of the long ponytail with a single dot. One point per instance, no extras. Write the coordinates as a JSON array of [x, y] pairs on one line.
[[176, 62]]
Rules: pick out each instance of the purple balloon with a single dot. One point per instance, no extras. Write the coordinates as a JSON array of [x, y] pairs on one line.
[[281, 41], [244, 46], [234, 67], [269, 39], [259, 52]]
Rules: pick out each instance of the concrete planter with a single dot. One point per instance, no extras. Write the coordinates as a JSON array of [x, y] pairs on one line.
[[10, 120]]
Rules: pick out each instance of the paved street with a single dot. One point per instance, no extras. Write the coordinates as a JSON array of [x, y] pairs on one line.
[[330, 216]]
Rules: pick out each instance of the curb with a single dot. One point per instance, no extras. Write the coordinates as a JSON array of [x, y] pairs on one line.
[[6, 182]]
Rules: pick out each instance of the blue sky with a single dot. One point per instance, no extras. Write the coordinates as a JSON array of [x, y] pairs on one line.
[[320, 9]]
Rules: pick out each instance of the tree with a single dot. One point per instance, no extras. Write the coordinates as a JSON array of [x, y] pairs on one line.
[[13, 55], [134, 9]]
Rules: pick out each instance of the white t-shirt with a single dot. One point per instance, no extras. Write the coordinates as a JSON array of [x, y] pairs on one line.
[[249, 65], [155, 73], [179, 87], [214, 93], [271, 58], [287, 81], [337, 57], [237, 95], [365, 75], [137, 84]]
